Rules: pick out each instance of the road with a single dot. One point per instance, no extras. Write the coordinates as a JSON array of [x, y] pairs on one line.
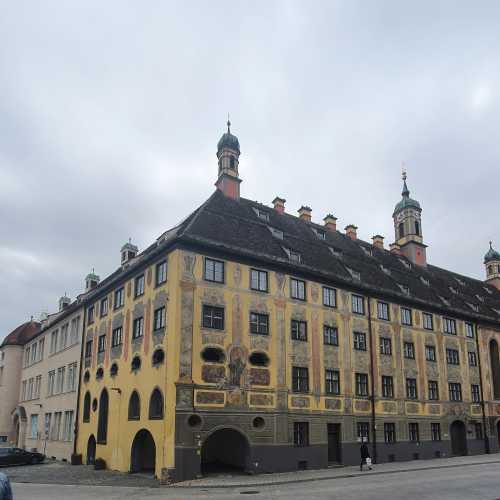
[[473, 482]]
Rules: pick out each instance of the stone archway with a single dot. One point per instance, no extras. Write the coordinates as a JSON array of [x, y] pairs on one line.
[[225, 450], [91, 446], [20, 422], [143, 453], [458, 436]]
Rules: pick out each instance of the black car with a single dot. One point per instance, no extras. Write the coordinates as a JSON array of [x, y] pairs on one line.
[[16, 456]]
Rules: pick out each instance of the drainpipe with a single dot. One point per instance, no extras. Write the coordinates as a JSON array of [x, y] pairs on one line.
[[372, 370], [485, 427], [82, 350]]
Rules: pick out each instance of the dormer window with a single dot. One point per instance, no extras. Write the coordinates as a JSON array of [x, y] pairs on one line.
[[453, 290], [444, 301], [479, 297], [405, 263], [355, 275], [385, 270], [405, 289], [487, 290], [474, 307], [460, 282], [425, 281], [293, 256], [368, 251], [261, 214], [319, 233], [277, 233], [335, 251]]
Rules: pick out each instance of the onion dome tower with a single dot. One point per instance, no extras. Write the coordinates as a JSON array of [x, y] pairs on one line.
[[408, 227], [228, 154], [492, 265]]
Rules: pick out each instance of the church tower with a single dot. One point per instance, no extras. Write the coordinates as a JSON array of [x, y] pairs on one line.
[[228, 154], [408, 227], [492, 264]]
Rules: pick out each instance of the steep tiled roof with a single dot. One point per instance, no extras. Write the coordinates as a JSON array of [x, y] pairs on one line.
[[22, 334]]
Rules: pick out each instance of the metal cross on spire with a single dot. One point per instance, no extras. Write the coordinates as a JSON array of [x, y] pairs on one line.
[[228, 124]]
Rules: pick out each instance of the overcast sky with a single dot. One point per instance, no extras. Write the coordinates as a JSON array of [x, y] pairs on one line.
[[110, 113]]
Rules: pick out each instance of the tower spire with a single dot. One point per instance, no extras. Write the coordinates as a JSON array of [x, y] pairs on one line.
[[228, 154], [406, 191]]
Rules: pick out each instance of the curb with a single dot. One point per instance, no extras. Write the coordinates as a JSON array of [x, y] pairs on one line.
[[326, 478]]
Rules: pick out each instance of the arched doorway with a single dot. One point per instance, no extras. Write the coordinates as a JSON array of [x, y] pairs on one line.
[[458, 435], [91, 450], [143, 454], [19, 421], [495, 368], [226, 450]]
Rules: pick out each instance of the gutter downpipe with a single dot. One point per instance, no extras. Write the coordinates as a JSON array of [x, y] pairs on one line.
[[485, 427]]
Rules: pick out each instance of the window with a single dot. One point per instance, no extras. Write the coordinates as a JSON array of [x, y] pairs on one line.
[[363, 429], [90, 315], [411, 388], [358, 304], [30, 388], [452, 357], [330, 335], [359, 341], [104, 306], [86, 407], [260, 213], [472, 359], [33, 352], [71, 382], [430, 353], [293, 256], [136, 363], [134, 406], [101, 345], [387, 386], [102, 421], [156, 405], [433, 390], [277, 233], [435, 431], [213, 355], [385, 346], [413, 432], [258, 280], [469, 330], [119, 297], [99, 374], [34, 427], [113, 371], [300, 379], [259, 323], [41, 347], [383, 311], [329, 297], [401, 229], [53, 341], [409, 350], [406, 316], [117, 337], [455, 391], [319, 233], [297, 289], [139, 286], [56, 428], [390, 433], [356, 275], [161, 272], [475, 395], [259, 359], [301, 434], [64, 337], [449, 326], [138, 328], [478, 428], [361, 384], [75, 324], [213, 317], [159, 319], [214, 270], [23, 391], [68, 426], [332, 382], [299, 330], [50, 383]]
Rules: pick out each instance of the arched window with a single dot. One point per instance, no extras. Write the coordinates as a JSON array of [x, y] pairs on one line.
[[86, 407], [102, 424], [495, 368], [231, 162], [490, 269], [136, 363], [113, 371], [134, 407], [401, 229], [259, 359], [156, 405], [417, 228], [213, 355], [158, 357]]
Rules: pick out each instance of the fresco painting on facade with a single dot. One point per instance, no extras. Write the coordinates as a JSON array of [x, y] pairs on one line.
[[248, 339]]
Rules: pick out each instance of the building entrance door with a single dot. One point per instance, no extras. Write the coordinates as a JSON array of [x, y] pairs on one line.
[[334, 450], [458, 436]]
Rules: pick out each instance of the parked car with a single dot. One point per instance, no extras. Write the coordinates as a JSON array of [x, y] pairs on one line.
[[16, 456]]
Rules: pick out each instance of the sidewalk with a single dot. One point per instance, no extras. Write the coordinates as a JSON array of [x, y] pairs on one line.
[[243, 481]]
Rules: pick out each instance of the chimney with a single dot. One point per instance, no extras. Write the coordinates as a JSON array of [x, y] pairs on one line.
[[330, 222], [305, 213], [378, 241], [279, 204], [350, 231], [395, 249], [64, 302]]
